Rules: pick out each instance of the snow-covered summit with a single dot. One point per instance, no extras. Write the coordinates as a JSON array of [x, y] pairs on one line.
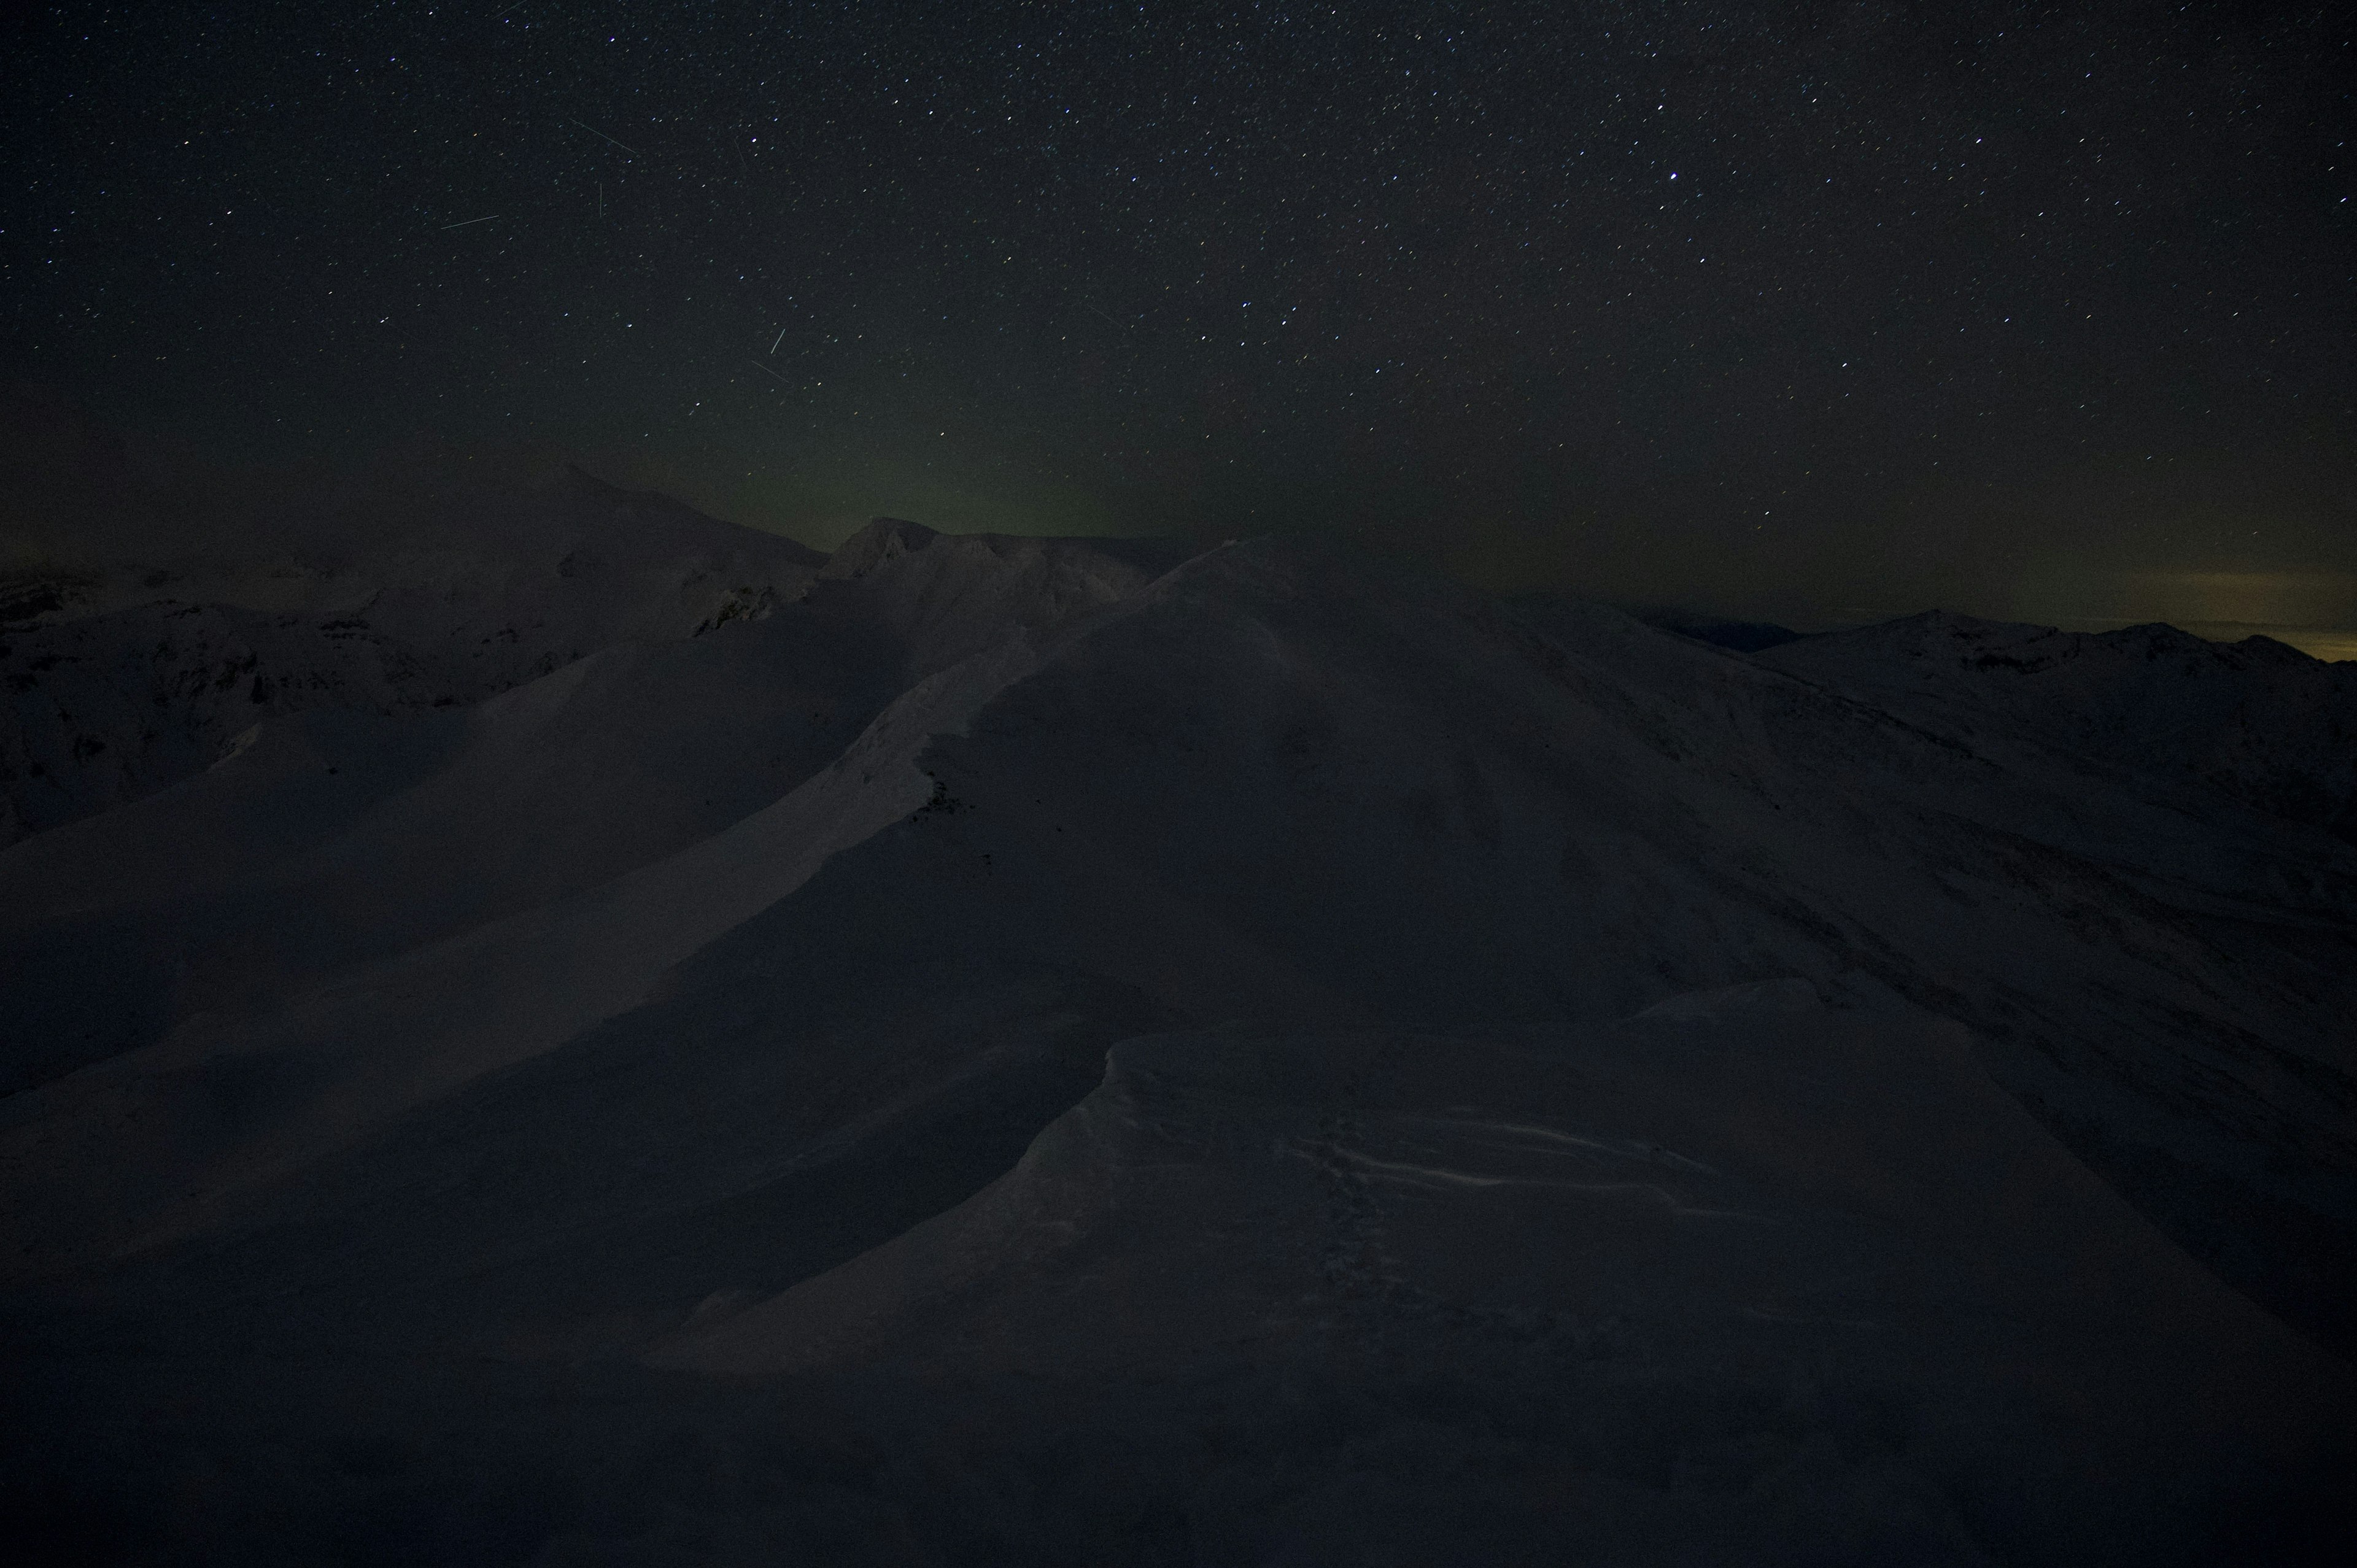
[[882, 539]]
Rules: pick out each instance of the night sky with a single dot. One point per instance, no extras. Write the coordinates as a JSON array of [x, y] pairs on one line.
[[1811, 311]]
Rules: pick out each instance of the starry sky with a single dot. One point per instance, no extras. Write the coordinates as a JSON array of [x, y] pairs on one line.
[[1813, 310]]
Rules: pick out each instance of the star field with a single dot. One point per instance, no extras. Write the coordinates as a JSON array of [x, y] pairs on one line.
[[1805, 306]]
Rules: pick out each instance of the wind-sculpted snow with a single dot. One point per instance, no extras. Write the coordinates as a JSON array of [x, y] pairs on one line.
[[1834, 1287], [694, 998]]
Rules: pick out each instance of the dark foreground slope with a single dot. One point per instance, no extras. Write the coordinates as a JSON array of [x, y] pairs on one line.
[[673, 1203], [1746, 1278]]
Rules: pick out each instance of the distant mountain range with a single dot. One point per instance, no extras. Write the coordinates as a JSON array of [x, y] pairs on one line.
[[582, 1032]]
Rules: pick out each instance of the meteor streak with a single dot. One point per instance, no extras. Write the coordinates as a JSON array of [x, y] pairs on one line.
[[602, 136]]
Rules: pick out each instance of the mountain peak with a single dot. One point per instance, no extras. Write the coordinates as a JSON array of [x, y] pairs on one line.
[[884, 538]]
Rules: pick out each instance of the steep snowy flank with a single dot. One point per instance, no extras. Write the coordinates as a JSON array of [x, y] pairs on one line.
[[331, 838]]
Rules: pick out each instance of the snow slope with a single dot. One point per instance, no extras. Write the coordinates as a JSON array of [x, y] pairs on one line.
[[578, 1065], [1809, 1266], [330, 837]]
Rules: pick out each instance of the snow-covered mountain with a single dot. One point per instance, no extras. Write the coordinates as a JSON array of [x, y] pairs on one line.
[[342, 833], [1574, 1091], [127, 675], [2261, 721]]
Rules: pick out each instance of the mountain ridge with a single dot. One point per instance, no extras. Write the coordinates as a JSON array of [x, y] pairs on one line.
[[615, 1071]]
